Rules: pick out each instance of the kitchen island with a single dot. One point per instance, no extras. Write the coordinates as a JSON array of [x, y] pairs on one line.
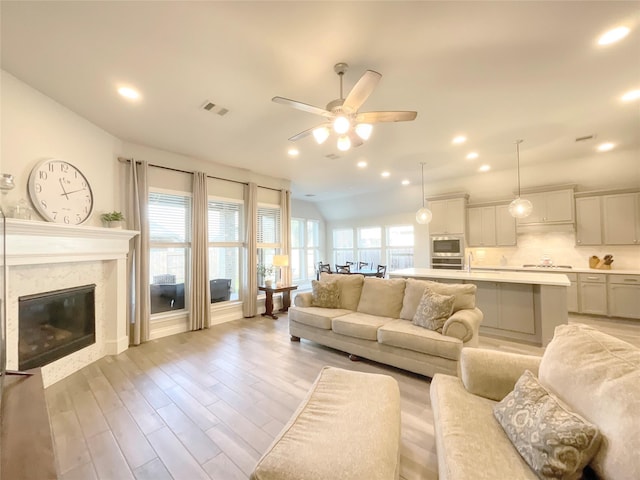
[[520, 306]]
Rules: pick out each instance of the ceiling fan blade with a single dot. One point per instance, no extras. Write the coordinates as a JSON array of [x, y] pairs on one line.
[[307, 132], [302, 106], [378, 117], [361, 90]]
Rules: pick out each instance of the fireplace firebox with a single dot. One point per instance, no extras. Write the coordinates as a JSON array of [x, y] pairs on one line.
[[54, 324]]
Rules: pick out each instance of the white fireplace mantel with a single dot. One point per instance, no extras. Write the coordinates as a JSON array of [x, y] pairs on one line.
[[43, 256]]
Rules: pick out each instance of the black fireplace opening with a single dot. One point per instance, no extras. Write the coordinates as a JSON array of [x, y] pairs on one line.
[[55, 324]]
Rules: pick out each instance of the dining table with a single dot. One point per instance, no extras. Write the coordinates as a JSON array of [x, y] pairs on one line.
[[367, 272]]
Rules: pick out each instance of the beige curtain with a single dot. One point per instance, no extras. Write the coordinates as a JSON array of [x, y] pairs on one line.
[[138, 259], [285, 241], [250, 279], [199, 291]]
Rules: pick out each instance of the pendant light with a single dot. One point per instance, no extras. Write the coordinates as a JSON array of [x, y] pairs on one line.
[[423, 215], [520, 207]]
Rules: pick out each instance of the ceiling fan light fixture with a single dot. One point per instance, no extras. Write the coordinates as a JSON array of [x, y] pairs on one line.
[[321, 134], [341, 124], [363, 130], [344, 143]]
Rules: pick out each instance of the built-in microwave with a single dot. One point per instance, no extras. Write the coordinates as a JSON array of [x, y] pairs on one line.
[[449, 246]]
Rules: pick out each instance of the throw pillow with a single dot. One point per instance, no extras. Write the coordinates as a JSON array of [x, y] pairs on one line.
[[433, 310], [555, 442], [325, 294]]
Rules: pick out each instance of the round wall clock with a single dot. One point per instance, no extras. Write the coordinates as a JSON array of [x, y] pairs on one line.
[[60, 192]]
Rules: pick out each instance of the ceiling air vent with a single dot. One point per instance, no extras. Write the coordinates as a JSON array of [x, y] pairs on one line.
[[332, 156], [586, 137], [212, 107]]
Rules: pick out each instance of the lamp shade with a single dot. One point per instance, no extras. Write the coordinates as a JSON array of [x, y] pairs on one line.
[[344, 143], [281, 260], [520, 208], [423, 216]]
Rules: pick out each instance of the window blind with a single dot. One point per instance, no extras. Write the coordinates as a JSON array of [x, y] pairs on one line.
[[169, 218], [268, 225], [225, 221]]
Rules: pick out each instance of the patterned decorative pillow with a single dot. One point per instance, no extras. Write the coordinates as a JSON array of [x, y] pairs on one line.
[[555, 442], [325, 294], [433, 310]]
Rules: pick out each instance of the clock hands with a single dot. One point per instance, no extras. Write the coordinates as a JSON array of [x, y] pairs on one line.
[[65, 193], [72, 191]]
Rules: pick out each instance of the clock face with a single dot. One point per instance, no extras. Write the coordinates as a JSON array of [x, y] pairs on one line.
[[60, 192]]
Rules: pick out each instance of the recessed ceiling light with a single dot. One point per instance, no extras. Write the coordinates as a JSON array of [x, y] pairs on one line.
[[459, 139], [361, 164], [293, 152], [605, 147], [405, 182], [631, 96], [472, 155], [385, 174], [129, 93], [614, 35], [484, 168]]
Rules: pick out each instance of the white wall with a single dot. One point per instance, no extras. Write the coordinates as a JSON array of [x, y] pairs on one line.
[[35, 127]]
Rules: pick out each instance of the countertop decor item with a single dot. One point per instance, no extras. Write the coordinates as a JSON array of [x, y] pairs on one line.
[[594, 260]]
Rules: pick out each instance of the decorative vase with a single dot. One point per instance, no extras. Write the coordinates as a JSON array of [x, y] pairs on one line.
[[268, 282], [115, 224]]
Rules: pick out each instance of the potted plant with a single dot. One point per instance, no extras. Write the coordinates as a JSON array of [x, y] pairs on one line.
[[265, 273], [112, 219]]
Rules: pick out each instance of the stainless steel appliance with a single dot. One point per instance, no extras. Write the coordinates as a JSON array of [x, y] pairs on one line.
[[449, 246], [447, 263]]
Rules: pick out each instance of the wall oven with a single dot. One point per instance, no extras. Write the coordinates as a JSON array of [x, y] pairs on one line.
[[447, 263]]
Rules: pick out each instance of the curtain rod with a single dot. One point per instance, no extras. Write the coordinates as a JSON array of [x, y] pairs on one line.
[[128, 160]]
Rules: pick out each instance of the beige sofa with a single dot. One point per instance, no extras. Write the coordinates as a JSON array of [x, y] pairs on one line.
[[597, 376], [374, 321]]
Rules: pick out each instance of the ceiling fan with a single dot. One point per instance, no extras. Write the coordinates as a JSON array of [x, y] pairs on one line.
[[342, 115]]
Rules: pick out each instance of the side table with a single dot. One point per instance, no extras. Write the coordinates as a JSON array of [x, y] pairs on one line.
[[268, 304]]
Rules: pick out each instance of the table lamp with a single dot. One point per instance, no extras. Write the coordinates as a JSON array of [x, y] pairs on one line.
[[280, 261]]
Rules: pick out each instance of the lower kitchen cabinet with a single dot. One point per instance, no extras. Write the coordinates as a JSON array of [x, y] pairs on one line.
[[508, 308], [572, 293], [624, 296], [593, 293]]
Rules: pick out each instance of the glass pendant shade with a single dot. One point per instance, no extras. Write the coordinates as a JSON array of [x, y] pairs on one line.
[[341, 125], [321, 134], [344, 143], [423, 216], [363, 130], [520, 208]]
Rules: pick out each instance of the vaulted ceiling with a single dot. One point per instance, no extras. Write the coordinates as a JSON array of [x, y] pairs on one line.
[[493, 71]]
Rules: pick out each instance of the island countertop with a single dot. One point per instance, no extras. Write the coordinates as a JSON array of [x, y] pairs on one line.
[[532, 278]]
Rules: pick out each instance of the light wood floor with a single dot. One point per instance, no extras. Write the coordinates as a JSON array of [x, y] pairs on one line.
[[206, 404]]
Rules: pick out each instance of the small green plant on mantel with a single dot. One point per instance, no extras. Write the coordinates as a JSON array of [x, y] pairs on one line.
[[111, 218]]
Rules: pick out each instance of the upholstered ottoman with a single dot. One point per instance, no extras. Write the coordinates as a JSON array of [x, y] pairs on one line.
[[348, 427]]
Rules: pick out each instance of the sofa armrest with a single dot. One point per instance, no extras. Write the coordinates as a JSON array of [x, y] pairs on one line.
[[464, 324], [493, 374], [302, 299]]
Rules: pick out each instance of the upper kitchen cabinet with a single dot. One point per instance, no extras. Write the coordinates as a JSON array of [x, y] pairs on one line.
[[490, 226], [589, 221], [549, 207], [448, 215], [621, 219]]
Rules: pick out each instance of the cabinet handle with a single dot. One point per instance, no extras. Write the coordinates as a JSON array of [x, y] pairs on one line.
[[592, 278], [630, 280]]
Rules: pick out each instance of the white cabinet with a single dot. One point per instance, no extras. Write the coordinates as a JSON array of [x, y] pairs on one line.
[[621, 219], [624, 296], [506, 307], [593, 293], [550, 207], [491, 226], [448, 216], [588, 221]]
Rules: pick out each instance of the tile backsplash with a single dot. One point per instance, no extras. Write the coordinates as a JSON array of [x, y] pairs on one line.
[[560, 247]]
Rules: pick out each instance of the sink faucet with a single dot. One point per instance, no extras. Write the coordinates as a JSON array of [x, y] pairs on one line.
[[469, 258]]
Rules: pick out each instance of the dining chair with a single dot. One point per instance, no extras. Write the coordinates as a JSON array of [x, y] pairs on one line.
[[322, 267], [350, 263], [362, 265], [382, 271], [343, 268]]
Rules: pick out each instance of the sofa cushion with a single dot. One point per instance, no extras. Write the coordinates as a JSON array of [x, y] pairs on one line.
[[359, 325], [403, 334], [382, 297], [433, 310], [325, 294], [553, 440], [317, 317], [465, 295], [350, 288], [598, 376]]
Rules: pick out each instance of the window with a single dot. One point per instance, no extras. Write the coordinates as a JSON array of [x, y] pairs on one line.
[[169, 242], [400, 242], [225, 248], [342, 246], [305, 249], [268, 234], [370, 245]]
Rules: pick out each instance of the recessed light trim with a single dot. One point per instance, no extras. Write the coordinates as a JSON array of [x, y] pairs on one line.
[[293, 152], [472, 155], [361, 164], [614, 35], [129, 93], [405, 182], [605, 147], [385, 174], [630, 96], [484, 168], [458, 139]]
